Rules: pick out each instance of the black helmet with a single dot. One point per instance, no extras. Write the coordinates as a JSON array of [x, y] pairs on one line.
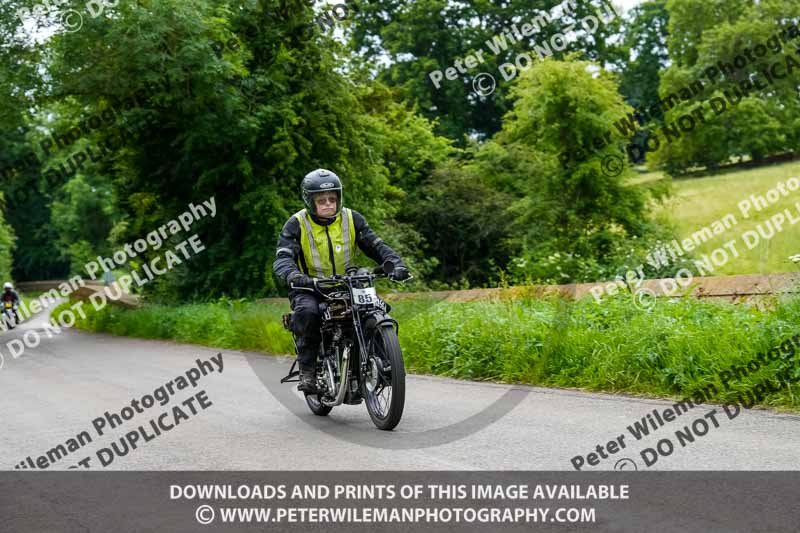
[[321, 180]]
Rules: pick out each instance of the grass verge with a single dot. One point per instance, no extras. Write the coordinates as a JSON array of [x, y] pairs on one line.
[[676, 349]]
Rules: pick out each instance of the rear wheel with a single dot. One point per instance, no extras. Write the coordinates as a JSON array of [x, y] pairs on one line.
[[313, 400], [316, 406], [384, 383]]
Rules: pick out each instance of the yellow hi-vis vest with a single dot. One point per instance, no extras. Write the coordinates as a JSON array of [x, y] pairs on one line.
[[326, 249]]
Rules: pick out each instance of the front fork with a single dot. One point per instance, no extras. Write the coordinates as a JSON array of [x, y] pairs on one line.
[[371, 324]]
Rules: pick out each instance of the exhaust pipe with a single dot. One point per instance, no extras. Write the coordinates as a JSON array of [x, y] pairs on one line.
[[344, 367]]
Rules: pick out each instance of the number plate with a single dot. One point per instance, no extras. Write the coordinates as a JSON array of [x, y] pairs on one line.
[[365, 296]]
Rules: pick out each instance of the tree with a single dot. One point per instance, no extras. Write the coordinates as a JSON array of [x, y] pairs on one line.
[[7, 244], [576, 220], [243, 126], [646, 46], [416, 38], [460, 217], [83, 216], [26, 206], [746, 114]]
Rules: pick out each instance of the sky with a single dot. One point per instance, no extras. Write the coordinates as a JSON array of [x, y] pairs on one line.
[[627, 4]]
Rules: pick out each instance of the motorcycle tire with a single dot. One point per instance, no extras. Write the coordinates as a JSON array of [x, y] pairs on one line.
[[386, 346], [312, 400]]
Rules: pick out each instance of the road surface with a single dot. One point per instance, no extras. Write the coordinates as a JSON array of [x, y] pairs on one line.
[[242, 419]]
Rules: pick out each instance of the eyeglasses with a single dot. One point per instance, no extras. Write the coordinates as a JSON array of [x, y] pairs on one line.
[[325, 200]]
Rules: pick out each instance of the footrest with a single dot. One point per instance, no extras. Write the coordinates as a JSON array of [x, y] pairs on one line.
[[292, 374]]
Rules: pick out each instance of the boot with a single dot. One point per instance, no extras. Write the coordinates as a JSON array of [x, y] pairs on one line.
[[308, 378]]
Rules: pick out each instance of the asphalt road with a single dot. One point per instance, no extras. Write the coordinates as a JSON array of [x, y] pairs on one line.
[[246, 420]]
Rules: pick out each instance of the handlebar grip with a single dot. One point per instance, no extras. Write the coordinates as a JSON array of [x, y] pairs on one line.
[[386, 268]]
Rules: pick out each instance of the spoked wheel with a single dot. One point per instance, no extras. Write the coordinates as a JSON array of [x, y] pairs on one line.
[[384, 383]]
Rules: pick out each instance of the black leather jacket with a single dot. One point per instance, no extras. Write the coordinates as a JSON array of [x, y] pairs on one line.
[[10, 296], [290, 251]]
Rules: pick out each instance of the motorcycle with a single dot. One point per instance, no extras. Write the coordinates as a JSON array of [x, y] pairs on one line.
[[9, 315], [360, 356]]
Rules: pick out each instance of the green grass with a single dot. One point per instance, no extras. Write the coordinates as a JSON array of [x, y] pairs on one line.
[[674, 350], [646, 177], [699, 201], [226, 324]]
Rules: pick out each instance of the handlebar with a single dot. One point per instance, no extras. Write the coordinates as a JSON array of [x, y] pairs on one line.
[[381, 271], [386, 268]]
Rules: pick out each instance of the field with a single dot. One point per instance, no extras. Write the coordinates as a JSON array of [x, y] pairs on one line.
[[697, 202]]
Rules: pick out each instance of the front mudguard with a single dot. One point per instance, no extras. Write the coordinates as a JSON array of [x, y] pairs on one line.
[[378, 319]]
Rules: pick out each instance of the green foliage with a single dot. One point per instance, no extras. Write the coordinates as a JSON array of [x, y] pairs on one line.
[[461, 219], [7, 244], [646, 46], [243, 126], [26, 207], [575, 220], [423, 36], [83, 218], [226, 323], [706, 34]]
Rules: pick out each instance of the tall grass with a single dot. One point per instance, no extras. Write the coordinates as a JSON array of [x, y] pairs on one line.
[[224, 324], [674, 350]]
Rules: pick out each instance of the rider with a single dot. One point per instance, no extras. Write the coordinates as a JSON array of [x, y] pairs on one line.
[[317, 241], [10, 295]]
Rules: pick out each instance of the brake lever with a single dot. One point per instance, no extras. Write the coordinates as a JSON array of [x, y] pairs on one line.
[[314, 289], [302, 288]]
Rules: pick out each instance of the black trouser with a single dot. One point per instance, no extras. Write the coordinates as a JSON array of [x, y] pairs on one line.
[[306, 322], [16, 318]]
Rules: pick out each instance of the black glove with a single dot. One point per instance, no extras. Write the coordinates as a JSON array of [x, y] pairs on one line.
[[301, 280], [399, 273]]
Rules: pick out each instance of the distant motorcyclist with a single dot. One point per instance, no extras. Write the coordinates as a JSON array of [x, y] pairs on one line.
[[10, 295], [318, 241]]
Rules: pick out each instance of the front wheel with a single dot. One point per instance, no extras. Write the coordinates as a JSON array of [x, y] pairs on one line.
[[384, 383]]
